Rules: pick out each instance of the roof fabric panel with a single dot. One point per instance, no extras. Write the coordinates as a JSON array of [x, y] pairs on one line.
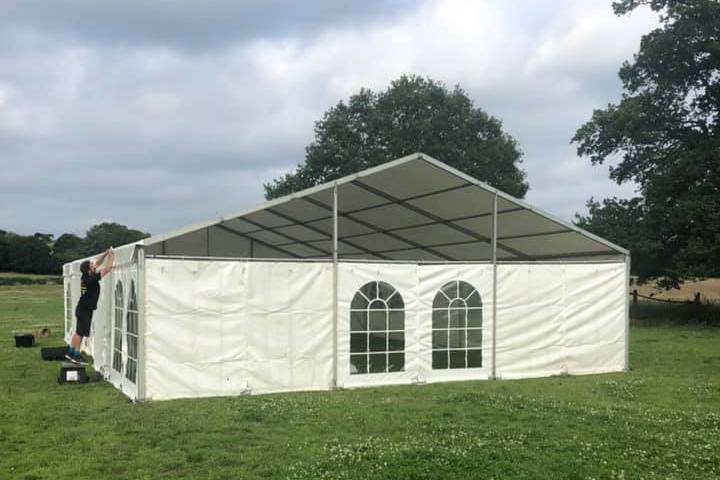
[[464, 202], [411, 179], [414, 208]]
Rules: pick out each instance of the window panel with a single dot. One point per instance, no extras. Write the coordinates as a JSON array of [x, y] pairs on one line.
[[457, 318], [396, 341], [474, 317], [359, 302], [378, 319], [378, 362], [383, 330], [358, 342], [457, 326], [385, 290], [457, 338], [396, 362], [132, 335], [396, 320], [439, 339], [465, 289], [358, 364], [378, 342], [440, 359], [441, 301], [457, 359], [473, 301], [474, 338], [440, 318], [358, 321], [474, 358], [451, 289], [117, 328], [68, 308], [396, 301], [370, 290]]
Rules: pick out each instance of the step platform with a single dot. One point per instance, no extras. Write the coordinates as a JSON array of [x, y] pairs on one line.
[[54, 353], [72, 373]]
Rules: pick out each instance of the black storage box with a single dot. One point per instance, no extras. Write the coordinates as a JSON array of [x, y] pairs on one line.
[[24, 339], [53, 353], [72, 373]]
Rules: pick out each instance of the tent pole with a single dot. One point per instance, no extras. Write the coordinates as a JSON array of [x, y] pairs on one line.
[[335, 287], [627, 313], [142, 327], [207, 241], [494, 285]]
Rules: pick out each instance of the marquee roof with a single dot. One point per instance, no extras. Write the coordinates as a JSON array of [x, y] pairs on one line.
[[413, 208]]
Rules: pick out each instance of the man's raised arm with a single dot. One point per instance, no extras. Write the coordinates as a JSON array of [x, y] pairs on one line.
[[110, 262]]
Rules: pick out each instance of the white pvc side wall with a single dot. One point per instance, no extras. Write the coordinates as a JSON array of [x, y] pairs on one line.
[[560, 319], [234, 327], [230, 327], [99, 344]]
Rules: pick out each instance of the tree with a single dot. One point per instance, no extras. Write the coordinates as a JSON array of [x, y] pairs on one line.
[[99, 237], [414, 114], [26, 254], [68, 247], [665, 131]]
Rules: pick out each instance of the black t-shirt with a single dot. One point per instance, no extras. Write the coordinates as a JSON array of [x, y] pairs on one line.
[[89, 291]]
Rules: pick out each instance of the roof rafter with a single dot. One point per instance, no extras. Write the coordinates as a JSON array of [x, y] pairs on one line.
[[437, 219], [317, 230], [378, 230]]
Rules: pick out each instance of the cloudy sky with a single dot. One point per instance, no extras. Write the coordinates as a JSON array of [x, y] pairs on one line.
[[158, 114]]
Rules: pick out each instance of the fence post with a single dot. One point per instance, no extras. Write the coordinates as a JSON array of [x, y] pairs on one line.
[[635, 295]]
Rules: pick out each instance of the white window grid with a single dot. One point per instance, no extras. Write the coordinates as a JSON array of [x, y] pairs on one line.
[[378, 304], [68, 307], [117, 328], [132, 336], [458, 340]]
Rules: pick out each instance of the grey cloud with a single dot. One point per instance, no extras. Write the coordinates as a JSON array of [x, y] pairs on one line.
[[110, 111], [189, 25]]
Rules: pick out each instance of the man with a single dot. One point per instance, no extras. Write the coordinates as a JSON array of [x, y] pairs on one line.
[[89, 294]]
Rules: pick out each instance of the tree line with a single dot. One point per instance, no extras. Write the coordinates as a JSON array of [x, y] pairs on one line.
[[42, 253]]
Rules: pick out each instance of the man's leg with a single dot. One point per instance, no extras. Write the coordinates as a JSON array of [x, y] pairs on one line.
[[75, 342], [82, 329]]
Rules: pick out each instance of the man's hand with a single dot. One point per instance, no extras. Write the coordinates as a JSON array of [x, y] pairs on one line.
[[111, 260]]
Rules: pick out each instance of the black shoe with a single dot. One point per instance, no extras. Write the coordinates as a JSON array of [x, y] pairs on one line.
[[77, 360]]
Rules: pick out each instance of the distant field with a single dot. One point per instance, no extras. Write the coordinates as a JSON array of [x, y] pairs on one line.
[[661, 420], [709, 289], [26, 275], [11, 278]]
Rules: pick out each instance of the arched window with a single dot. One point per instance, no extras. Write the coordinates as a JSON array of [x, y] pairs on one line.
[[377, 330], [457, 327], [68, 308], [132, 336], [117, 328]]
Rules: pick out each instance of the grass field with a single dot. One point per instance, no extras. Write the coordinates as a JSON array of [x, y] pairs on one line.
[[662, 420]]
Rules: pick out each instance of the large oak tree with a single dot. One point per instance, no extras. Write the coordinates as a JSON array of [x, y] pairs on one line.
[[666, 133]]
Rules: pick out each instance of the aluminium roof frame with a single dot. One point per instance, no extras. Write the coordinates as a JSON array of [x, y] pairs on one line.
[[356, 180]]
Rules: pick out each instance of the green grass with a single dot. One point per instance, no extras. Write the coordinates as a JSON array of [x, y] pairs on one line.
[[662, 420]]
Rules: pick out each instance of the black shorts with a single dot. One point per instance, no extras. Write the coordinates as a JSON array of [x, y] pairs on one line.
[[84, 319]]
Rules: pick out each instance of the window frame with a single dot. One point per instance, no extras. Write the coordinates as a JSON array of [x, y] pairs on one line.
[[377, 297], [68, 307], [460, 352], [118, 318], [132, 316]]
